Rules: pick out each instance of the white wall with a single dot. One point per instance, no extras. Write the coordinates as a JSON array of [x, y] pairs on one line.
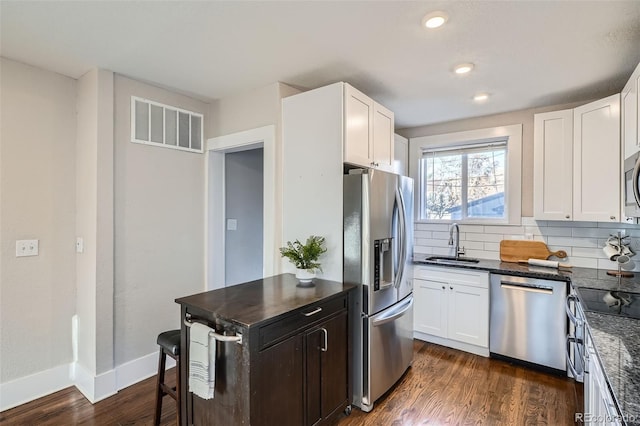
[[159, 227], [94, 224], [37, 201]]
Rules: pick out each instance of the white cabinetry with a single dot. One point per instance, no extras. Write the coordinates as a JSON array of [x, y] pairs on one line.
[[321, 130], [553, 165], [368, 132], [599, 407], [401, 155], [452, 308], [630, 104], [577, 163]]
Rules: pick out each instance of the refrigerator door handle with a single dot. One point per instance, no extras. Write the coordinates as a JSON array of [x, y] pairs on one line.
[[402, 216], [394, 314]]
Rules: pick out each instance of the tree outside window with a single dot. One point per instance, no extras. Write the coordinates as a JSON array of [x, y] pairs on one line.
[[465, 182]]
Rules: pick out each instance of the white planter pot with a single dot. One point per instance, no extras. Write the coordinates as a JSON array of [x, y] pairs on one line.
[[305, 276]]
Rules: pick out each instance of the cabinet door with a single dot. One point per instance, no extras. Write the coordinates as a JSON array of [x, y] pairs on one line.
[[553, 165], [383, 137], [358, 127], [468, 314], [430, 311], [629, 103], [326, 369], [400, 155], [279, 394], [596, 161]]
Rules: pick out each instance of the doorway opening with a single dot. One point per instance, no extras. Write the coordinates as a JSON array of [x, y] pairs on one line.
[[241, 225]]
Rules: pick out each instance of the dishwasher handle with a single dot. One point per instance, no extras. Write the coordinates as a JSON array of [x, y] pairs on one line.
[[526, 287]]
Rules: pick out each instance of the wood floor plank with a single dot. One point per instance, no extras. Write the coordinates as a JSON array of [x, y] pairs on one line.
[[443, 386]]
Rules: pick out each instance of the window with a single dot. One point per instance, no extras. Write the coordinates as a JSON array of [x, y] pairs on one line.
[[471, 177], [465, 182], [154, 123]]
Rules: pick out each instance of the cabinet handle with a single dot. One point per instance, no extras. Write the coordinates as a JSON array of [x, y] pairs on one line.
[[612, 217], [326, 340], [315, 311], [451, 287], [568, 217], [443, 288]]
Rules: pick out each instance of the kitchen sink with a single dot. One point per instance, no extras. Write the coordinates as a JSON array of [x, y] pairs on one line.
[[452, 259]]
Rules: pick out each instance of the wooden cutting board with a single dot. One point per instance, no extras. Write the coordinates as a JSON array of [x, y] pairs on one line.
[[516, 250]]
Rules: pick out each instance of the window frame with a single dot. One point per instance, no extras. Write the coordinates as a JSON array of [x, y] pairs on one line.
[[513, 173], [165, 107]]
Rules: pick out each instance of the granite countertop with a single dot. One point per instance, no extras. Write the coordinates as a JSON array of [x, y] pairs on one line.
[[257, 301], [616, 339]]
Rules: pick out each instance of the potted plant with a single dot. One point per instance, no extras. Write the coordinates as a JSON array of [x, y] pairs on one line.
[[305, 257]]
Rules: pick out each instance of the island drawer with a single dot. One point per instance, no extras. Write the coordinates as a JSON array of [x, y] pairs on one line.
[[300, 319]]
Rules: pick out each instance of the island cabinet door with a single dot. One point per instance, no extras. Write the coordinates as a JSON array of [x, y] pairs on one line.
[[326, 369], [279, 397]]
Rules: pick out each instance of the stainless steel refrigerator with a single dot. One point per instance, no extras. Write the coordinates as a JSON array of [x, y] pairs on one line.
[[378, 251]]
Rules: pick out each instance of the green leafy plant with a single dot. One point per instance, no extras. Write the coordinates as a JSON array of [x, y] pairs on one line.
[[305, 256]]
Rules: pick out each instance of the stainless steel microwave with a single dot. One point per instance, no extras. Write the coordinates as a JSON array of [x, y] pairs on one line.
[[632, 186]]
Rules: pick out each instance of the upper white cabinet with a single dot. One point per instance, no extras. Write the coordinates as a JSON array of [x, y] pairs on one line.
[[553, 165], [401, 155], [368, 132], [577, 163], [630, 103], [596, 161]]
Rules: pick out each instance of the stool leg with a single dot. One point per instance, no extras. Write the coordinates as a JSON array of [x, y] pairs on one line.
[[178, 390], [159, 392]]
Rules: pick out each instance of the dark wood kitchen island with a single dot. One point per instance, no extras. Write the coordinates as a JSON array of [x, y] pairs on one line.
[[291, 361]]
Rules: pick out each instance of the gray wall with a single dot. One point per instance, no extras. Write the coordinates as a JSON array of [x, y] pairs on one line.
[[37, 201], [159, 227], [244, 202]]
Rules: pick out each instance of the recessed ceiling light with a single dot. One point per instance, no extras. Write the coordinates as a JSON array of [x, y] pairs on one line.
[[481, 97], [463, 68], [434, 19]]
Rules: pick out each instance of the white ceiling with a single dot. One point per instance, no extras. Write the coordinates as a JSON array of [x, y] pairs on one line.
[[527, 53]]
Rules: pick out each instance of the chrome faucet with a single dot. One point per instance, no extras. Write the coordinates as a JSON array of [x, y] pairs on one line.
[[458, 250]]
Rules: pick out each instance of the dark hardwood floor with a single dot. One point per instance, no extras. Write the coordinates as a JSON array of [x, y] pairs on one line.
[[444, 386]]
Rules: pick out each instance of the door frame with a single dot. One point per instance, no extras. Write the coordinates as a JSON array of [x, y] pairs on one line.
[[216, 148]]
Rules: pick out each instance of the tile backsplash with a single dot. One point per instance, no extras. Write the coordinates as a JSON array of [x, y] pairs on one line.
[[583, 241]]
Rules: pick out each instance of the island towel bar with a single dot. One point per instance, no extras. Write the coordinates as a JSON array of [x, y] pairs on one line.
[[219, 337]]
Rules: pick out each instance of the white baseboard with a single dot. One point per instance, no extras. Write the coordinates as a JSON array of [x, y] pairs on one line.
[[34, 386], [466, 347], [94, 388], [139, 369]]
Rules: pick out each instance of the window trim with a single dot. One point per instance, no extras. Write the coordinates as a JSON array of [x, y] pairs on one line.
[[164, 108], [513, 178]]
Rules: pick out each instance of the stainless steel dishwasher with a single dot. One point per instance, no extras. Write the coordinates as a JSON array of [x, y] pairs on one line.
[[528, 320]]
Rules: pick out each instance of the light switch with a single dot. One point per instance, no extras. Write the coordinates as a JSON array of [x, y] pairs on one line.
[[232, 224], [79, 245], [26, 248]]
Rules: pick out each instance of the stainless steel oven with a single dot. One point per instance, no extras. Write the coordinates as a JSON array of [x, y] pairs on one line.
[[632, 187], [576, 338]]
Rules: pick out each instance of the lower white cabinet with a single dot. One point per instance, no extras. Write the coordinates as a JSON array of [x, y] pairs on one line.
[[599, 407], [452, 307]]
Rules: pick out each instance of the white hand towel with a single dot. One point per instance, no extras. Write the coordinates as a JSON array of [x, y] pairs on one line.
[[202, 361]]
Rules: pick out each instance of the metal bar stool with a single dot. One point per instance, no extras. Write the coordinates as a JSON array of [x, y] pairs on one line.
[[169, 342]]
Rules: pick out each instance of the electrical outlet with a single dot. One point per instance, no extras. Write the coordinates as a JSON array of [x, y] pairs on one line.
[[528, 236], [26, 248], [79, 245]]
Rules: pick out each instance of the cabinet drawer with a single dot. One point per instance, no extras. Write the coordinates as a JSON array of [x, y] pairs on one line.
[[452, 275], [300, 319]]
